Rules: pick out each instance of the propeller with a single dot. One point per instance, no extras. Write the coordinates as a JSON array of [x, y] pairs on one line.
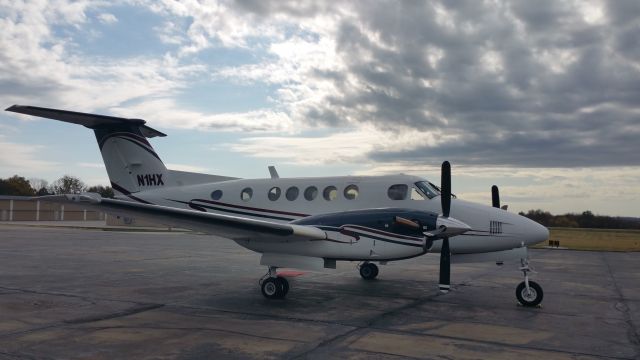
[[445, 188], [445, 252], [495, 196]]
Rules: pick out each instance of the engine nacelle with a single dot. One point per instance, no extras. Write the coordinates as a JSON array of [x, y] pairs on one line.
[[401, 221]]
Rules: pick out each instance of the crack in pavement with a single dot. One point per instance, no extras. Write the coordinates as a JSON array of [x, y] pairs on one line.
[[123, 313], [86, 298], [84, 320], [194, 328], [632, 332]]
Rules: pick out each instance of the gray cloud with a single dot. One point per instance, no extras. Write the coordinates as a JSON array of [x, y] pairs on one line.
[[515, 83], [521, 83]]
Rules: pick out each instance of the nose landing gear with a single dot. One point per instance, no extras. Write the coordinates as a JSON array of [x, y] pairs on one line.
[[528, 292]]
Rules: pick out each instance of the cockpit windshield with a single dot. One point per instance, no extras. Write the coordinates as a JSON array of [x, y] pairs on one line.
[[428, 189]]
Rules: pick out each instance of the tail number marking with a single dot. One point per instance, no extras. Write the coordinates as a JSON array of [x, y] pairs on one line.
[[150, 180]]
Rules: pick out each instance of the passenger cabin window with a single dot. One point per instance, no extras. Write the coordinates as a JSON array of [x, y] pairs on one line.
[[351, 192], [292, 193], [246, 194], [216, 195], [310, 193], [398, 192], [428, 189], [274, 193], [330, 193]]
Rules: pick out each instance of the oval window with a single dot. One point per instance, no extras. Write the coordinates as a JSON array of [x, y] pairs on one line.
[[351, 192], [398, 192], [216, 195], [246, 194], [292, 193], [330, 193], [274, 193], [310, 193]]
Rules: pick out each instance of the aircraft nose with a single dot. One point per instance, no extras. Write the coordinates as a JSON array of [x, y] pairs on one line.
[[535, 232]]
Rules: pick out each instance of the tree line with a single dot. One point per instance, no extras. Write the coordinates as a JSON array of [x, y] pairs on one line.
[[67, 184], [585, 220]]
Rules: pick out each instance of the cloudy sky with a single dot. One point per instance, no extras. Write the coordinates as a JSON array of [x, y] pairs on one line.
[[539, 97]]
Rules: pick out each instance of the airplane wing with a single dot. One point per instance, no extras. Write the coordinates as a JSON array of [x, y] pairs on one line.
[[232, 227]]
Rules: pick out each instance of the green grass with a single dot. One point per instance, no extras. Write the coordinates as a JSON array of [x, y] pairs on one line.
[[595, 239]]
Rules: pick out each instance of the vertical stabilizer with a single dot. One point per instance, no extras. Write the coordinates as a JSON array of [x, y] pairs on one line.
[[132, 163]]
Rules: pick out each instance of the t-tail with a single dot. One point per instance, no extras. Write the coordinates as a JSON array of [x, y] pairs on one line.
[[132, 163]]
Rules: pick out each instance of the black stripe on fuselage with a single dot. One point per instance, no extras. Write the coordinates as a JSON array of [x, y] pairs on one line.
[[388, 240], [133, 141], [139, 138], [362, 234], [233, 211], [250, 208], [128, 193]]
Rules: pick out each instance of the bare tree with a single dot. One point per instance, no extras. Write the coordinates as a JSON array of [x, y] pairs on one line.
[[67, 185], [104, 191], [39, 186]]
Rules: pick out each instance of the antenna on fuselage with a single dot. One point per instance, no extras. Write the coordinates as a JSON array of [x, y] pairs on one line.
[[273, 172]]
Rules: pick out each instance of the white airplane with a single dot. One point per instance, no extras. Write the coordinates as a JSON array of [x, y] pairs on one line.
[[306, 223]]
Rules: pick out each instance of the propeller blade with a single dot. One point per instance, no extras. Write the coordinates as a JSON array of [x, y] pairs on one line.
[[495, 196], [445, 187], [445, 266]]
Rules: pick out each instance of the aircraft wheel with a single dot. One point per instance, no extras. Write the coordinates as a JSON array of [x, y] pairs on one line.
[[530, 298], [272, 288], [368, 271], [284, 285]]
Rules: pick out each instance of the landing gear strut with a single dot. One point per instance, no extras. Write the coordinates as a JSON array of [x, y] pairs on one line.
[[368, 271], [528, 292], [274, 286]]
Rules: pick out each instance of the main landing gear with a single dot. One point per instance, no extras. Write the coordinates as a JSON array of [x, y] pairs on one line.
[[528, 292], [368, 270], [274, 286]]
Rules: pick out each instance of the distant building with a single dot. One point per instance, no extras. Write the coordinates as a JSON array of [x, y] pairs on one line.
[[20, 208]]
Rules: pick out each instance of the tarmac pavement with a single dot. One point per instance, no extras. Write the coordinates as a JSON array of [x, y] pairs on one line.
[[68, 293]]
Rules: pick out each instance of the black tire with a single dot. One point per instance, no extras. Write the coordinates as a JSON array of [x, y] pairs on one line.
[[368, 271], [534, 298], [272, 288], [284, 284]]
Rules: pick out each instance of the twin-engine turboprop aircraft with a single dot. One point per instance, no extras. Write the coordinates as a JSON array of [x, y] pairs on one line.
[[306, 223]]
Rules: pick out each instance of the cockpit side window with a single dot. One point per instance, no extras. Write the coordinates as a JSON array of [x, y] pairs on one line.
[[428, 189], [416, 194], [398, 192]]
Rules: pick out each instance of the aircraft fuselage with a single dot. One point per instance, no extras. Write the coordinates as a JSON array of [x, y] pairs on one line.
[[294, 199]]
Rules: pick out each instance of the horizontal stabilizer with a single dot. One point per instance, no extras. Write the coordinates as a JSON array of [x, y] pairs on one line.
[[92, 121]]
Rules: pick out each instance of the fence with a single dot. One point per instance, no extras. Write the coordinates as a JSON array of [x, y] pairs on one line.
[[16, 208]]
